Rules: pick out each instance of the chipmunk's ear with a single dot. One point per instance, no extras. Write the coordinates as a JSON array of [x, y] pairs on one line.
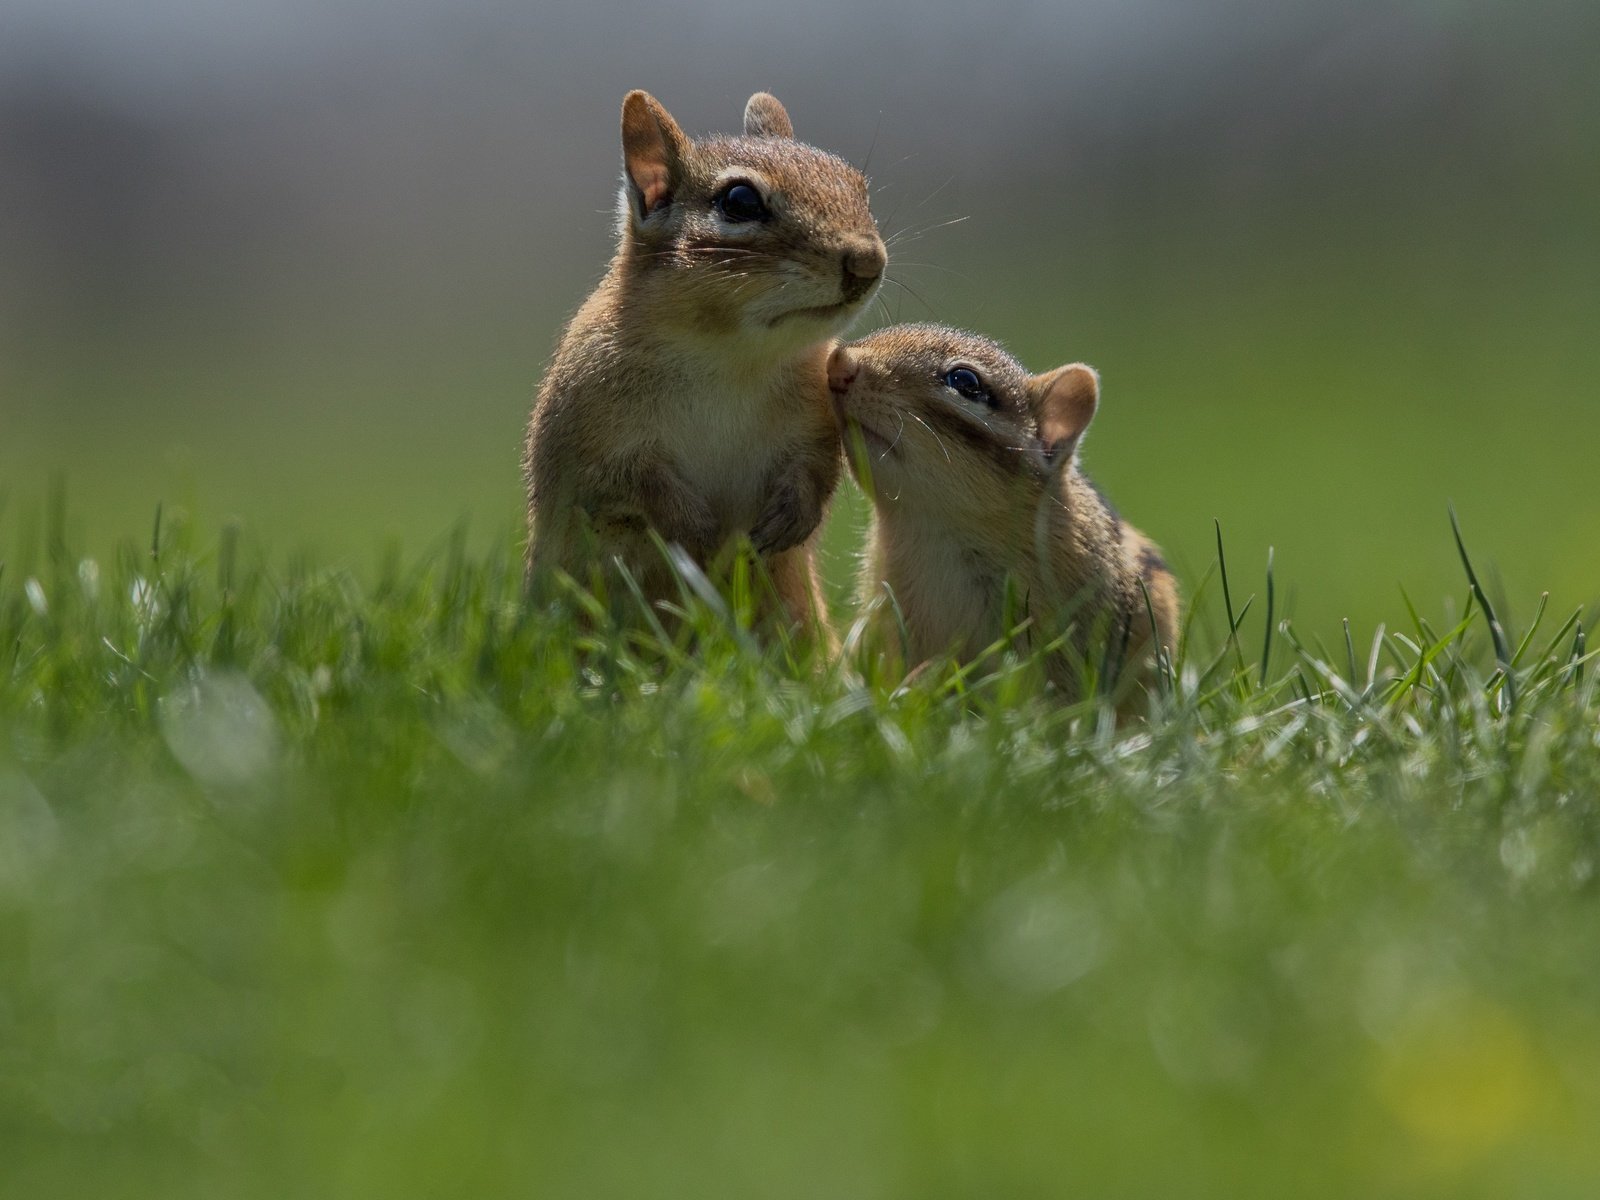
[[764, 117], [1064, 401], [653, 149]]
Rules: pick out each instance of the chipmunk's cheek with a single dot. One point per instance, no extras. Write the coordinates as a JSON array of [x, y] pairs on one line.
[[716, 314]]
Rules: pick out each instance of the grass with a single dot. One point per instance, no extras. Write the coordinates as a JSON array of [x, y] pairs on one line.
[[318, 885]]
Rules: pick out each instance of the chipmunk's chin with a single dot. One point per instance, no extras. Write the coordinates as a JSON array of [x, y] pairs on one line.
[[832, 318]]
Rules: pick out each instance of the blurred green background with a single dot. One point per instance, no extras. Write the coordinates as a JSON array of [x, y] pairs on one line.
[[473, 930], [1339, 264]]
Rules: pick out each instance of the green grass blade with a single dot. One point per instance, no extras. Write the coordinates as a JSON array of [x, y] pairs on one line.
[[1496, 632], [1266, 641], [1533, 628]]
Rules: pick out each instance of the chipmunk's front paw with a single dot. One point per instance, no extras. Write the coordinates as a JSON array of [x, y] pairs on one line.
[[789, 518], [699, 532]]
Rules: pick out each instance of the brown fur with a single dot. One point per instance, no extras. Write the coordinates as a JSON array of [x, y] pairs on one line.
[[982, 517], [687, 397]]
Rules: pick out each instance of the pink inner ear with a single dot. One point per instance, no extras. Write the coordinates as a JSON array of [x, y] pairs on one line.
[[1067, 407], [652, 185], [651, 143]]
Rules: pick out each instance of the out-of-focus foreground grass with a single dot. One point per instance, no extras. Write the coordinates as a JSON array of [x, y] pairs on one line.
[[312, 886]]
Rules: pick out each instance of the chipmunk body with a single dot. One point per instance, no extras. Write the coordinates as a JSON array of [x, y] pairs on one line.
[[982, 516], [687, 397]]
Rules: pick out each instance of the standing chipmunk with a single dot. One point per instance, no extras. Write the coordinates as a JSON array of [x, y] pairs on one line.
[[687, 396], [980, 507]]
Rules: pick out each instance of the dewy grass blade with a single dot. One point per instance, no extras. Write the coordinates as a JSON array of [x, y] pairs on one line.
[[1533, 627], [1560, 635], [1372, 657], [1195, 606], [1497, 633], [1425, 654], [901, 631], [1227, 597], [1164, 682], [1266, 641]]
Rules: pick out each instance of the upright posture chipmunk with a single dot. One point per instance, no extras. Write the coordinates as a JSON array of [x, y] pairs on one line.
[[979, 503], [688, 397]]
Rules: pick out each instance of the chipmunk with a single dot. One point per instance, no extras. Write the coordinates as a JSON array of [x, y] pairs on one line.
[[687, 396], [979, 503]]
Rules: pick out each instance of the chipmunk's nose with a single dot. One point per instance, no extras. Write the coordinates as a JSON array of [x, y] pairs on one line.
[[842, 368], [863, 263]]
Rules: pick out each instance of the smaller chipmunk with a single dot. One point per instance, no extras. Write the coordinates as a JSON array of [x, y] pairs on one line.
[[687, 399], [982, 517]]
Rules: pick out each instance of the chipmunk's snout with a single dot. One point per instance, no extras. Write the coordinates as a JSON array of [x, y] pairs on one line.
[[842, 369], [863, 264]]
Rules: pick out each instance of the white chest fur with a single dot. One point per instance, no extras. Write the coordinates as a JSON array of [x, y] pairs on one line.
[[730, 432], [948, 602], [724, 439]]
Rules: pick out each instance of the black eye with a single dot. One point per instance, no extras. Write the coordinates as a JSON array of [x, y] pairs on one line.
[[965, 381], [740, 202]]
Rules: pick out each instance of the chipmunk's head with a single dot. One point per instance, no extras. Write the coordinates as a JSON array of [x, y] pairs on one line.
[[940, 421], [758, 236]]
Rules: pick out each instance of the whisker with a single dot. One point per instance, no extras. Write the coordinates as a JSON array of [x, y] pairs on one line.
[[908, 289], [945, 224], [898, 434], [939, 440], [938, 189], [883, 306], [912, 233], [873, 145], [890, 219], [727, 252], [962, 275]]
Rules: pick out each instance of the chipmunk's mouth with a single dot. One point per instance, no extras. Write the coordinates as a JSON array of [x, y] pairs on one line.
[[879, 444], [818, 312]]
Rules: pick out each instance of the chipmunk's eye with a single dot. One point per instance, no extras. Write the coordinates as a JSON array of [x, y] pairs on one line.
[[740, 202], [965, 382]]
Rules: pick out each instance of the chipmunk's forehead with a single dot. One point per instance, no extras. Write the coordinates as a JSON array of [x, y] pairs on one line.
[[792, 166], [933, 348]]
